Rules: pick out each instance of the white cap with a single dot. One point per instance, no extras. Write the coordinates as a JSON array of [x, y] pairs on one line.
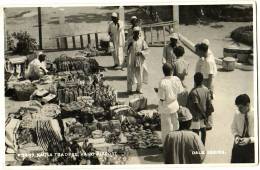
[[174, 36], [114, 14], [206, 41], [40, 53], [133, 17], [136, 29], [184, 114]]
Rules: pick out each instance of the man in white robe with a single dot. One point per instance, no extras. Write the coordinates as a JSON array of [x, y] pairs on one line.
[[137, 72], [37, 68], [117, 35]]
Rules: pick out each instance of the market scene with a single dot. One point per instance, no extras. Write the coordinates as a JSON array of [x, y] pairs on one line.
[[121, 85]]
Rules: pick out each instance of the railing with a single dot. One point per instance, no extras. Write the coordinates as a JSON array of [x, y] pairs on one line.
[[148, 29]]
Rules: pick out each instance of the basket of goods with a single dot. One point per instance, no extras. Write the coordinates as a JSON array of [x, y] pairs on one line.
[[24, 91], [72, 108], [241, 53], [229, 63], [25, 136], [114, 124], [105, 96], [121, 110], [98, 112], [91, 126], [104, 126], [50, 110], [86, 99], [138, 103], [77, 132], [47, 132], [97, 134]]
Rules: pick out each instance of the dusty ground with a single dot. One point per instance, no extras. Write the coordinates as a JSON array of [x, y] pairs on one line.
[[227, 85]]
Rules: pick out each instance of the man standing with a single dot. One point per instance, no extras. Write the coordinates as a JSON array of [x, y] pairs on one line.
[[243, 130], [168, 51], [117, 34], [183, 146], [137, 72], [206, 64], [169, 88]]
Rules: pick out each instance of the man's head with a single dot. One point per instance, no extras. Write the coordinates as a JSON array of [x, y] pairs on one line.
[[173, 39], [202, 49], [134, 21], [198, 79], [179, 51], [185, 118], [114, 17], [167, 69], [243, 103], [136, 32], [42, 57]]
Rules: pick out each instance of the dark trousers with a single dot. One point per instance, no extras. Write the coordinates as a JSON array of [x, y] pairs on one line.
[[243, 154]]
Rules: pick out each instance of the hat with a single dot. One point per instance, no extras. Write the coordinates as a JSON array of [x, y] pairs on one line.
[[184, 114], [40, 53], [205, 41], [114, 14], [174, 36], [133, 17], [136, 29]]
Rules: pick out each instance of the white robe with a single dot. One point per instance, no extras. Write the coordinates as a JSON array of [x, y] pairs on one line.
[[137, 71], [118, 39]]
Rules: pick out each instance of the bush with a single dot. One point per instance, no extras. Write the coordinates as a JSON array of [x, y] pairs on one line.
[[243, 35], [25, 44], [10, 42]]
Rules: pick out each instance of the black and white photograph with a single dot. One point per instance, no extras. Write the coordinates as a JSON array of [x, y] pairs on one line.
[[138, 84]]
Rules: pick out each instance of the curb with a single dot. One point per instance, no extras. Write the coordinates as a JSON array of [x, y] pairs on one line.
[[188, 43]]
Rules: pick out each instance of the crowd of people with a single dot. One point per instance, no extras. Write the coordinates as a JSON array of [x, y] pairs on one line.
[[184, 115]]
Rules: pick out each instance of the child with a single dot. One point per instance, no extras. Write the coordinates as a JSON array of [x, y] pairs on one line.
[[243, 130], [198, 100], [180, 66]]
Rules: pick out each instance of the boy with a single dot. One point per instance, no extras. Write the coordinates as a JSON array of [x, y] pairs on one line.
[[198, 100], [180, 66], [243, 130]]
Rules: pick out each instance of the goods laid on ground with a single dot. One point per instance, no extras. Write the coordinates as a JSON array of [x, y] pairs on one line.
[[71, 118], [76, 65]]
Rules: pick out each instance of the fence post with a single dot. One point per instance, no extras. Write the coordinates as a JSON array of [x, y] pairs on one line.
[[151, 34], [81, 41], [89, 39], [158, 33], [66, 42], [96, 39], [73, 42], [164, 39], [58, 43], [144, 34]]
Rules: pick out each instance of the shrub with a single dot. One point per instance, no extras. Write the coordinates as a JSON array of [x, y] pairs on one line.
[[243, 35], [25, 44]]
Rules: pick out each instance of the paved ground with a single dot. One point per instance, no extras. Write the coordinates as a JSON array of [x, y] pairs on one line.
[[228, 85]]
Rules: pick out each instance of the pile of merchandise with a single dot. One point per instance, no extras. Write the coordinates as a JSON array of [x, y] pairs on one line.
[[76, 65], [83, 119]]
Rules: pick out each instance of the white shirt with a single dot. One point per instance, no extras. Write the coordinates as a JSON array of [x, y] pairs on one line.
[[169, 88], [34, 68], [237, 126], [207, 65]]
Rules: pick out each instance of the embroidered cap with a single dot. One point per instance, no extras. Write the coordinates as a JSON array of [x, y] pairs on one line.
[[114, 14], [136, 29], [133, 17], [174, 36], [184, 114]]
